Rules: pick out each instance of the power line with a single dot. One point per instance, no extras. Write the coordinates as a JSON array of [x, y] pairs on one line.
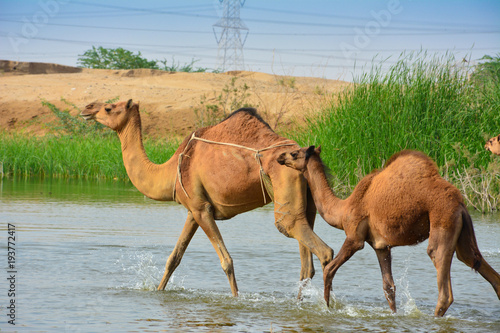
[[115, 28], [174, 11], [72, 41], [278, 22], [365, 19], [208, 47], [292, 34], [121, 8]]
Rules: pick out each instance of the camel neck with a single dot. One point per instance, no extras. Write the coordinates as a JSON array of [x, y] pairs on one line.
[[155, 181], [329, 206]]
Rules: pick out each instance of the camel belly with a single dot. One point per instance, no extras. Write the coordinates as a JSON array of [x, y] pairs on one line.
[[399, 216], [405, 230], [229, 201], [224, 211]]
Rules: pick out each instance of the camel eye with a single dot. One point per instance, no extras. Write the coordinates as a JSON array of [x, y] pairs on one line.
[[107, 109], [294, 155]]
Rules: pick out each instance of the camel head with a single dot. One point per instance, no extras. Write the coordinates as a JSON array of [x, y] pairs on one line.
[[493, 145], [112, 115], [297, 159], [92, 107]]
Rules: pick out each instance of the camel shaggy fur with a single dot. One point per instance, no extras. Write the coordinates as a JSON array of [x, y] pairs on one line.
[[403, 204], [217, 173]]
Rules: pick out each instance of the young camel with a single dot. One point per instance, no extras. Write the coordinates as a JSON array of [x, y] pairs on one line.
[[403, 204], [216, 181], [493, 145]]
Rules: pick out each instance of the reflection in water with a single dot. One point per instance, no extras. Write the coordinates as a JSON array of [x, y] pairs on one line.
[[90, 256]]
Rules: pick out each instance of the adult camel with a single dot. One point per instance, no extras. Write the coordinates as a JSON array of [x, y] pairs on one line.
[[403, 204], [493, 145], [216, 173]]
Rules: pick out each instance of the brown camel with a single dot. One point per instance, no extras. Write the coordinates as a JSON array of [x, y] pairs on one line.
[[216, 174], [403, 204], [493, 145]]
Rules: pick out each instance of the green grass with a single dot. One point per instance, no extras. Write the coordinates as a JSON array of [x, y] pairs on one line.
[[88, 156], [423, 103]]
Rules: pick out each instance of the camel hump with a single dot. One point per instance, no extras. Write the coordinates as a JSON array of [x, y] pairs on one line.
[[251, 112], [410, 153]]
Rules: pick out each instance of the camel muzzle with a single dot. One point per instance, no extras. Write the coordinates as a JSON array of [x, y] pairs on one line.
[[281, 159], [85, 114]]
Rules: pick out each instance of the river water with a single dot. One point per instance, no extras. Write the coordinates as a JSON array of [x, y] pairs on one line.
[[88, 256]]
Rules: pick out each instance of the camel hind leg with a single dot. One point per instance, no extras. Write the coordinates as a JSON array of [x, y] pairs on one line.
[[468, 252], [206, 221], [442, 244], [385, 261], [175, 257]]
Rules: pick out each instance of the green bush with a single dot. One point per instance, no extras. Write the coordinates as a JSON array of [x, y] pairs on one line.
[[67, 124], [119, 58]]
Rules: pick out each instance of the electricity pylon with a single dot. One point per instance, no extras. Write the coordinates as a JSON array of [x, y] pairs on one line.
[[230, 38]]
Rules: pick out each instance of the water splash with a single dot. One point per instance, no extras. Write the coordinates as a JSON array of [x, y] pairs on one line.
[[407, 304], [141, 269], [308, 292], [490, 252]]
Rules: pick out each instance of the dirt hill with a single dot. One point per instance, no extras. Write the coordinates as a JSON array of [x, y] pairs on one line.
[[167, 100]]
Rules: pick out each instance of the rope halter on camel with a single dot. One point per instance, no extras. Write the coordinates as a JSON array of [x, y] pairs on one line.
[[265, 180]]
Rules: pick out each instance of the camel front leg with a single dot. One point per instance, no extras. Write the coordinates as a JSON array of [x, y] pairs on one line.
[[347, 250], [307, 264], [175, 257], [291, 211], [306, 260], [294, 224], [385, 262], [206, 220]]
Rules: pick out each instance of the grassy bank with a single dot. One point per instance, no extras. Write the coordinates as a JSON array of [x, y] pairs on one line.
[[71, 156], [74, 148], [422, 103]]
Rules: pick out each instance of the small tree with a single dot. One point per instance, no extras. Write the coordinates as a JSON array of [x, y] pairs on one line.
[[118, 58]]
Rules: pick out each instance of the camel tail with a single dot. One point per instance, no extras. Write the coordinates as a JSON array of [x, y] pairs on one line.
[[467, 249], [468, 252]]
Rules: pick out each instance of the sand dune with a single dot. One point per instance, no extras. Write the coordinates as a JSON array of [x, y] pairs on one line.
[[167, 99]]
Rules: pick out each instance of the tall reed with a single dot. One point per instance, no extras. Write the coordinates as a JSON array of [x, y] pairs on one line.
[[422, 102], [72, 156]]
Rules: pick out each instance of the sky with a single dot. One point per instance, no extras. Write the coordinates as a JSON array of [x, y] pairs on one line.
[[329, 38]]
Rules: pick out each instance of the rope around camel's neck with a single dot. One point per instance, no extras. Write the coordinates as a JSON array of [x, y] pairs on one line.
[[265, 180]]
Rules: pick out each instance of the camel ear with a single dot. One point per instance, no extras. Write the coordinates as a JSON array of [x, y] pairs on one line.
[[498, 137], [318, 150], [129, 104], [309, 151]]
